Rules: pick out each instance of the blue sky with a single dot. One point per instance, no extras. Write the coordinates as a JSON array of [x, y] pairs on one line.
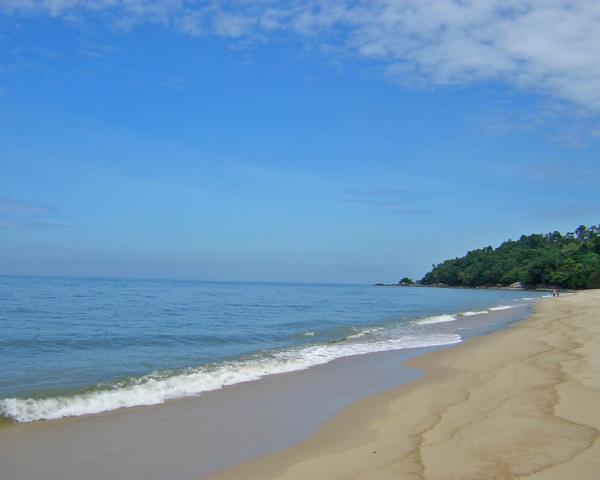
[[290, 141]]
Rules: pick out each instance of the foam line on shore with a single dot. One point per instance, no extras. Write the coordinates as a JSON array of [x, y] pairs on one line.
[[524, 400], [159, 387]]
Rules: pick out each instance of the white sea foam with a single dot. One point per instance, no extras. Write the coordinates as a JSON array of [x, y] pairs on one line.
[[436, 319], [364, 332], [525, 299], [308, 334], [501, 307], [546, 296], [471, 314], [159, 387]]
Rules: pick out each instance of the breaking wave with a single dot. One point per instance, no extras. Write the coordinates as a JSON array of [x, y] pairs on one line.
[[436, 319], [471, 314], [159, 387]]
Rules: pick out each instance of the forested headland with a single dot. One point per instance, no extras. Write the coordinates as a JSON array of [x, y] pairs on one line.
[[569, 261]]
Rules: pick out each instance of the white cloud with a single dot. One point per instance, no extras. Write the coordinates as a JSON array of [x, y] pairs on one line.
[[233, 26], [545, 46]]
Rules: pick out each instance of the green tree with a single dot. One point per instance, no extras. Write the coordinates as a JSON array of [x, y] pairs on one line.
[[570, 261]]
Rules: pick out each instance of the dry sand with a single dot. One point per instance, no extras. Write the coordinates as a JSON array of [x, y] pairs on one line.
[[520, 403]]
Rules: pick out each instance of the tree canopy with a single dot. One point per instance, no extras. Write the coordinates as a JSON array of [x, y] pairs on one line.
[[555, 260]]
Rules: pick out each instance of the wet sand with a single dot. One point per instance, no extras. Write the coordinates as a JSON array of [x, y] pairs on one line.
[[193, 436], [190, 438], [520, 403]]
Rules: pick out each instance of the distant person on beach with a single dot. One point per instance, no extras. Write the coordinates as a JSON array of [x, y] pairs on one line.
[[554, 293]]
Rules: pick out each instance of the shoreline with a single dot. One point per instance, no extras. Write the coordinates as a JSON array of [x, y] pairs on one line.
[[540, 288], [198, 435], [520, 402], [189, 437], [213, 375]]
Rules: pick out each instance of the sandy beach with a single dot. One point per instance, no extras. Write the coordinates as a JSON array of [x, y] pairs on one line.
[[519, 403], [299, 240], [196, 436]]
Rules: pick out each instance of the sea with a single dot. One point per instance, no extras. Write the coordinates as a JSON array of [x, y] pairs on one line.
[[82, 346]]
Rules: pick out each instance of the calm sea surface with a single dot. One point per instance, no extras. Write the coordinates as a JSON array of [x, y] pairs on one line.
[[81, 346]]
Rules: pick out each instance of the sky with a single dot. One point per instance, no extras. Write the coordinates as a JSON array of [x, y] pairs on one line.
[[259, 140]]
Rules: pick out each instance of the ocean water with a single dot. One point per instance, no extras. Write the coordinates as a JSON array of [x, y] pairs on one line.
[[73, 347]]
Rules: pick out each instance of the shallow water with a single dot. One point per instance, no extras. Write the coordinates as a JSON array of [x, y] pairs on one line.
[[72, 347]]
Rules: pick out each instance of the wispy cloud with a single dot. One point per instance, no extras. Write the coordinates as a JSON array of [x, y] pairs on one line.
[[16, 213], [12, 207], [546, 46], [174, 83], [569, 212], [393, 200], [559, 173], [98, 51], [562, 123]]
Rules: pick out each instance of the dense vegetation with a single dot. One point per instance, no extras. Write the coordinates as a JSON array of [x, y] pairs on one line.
[[553, 259]]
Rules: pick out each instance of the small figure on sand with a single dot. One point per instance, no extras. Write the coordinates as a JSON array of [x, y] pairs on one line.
[[555, 293]]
